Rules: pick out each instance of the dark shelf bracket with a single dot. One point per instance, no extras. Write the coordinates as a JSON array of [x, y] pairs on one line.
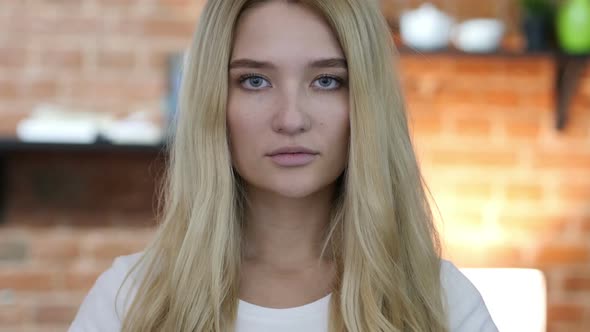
[[569, 70], [3, 182]]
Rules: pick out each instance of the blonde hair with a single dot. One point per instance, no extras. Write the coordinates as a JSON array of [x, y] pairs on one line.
[[381, 232]]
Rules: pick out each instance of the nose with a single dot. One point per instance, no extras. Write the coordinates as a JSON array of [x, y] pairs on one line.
[[290, 117]]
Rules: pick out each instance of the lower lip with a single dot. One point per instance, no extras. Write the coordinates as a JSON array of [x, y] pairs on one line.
[[293, 159]]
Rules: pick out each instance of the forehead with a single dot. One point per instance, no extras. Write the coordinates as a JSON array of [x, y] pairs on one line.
[[278, 29]]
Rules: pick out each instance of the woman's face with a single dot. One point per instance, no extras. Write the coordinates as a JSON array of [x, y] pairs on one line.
[[287, 90]]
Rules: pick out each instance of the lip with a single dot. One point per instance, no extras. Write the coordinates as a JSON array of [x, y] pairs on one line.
[[293, 156], [291, 150]]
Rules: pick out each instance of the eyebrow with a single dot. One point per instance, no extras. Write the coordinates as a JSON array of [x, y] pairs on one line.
[[320, 63]]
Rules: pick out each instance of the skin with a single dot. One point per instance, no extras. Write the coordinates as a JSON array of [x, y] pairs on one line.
[[287, 86]]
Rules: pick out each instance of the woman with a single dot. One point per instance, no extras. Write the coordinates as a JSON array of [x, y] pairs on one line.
[[294, 201]]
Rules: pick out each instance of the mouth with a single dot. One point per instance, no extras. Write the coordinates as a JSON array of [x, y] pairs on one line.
[[293, 156], [293, 150]]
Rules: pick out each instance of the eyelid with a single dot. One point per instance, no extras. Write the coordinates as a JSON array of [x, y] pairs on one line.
[[336, 77], [340, 80], [244, 77]]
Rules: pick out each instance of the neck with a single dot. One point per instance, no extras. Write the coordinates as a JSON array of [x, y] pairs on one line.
[[286, 232]]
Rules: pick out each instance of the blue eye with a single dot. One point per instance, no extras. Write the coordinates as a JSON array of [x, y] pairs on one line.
[[254, 82], [327, 82]]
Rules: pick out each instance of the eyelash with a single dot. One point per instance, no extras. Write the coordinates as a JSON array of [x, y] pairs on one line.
[[244, 77], [338, 79]]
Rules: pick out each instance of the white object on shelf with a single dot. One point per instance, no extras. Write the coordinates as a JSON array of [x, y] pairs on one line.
[[478, 35], [57, 131], [52, 124], [426, 28], [140, 132], [515, 298]]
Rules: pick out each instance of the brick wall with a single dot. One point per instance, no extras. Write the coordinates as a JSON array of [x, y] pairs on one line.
[[512, 191]]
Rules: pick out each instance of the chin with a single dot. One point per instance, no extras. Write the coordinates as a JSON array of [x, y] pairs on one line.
[[294, 191], [294, 184], [291, 186]]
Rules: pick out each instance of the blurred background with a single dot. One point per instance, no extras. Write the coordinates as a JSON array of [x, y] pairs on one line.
[[498, 94]]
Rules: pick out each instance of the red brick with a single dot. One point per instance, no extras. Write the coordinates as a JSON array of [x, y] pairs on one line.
[[480, 66], [484, 255], [42, 89], [13, 250], [578, 127], [523, 191], [122, 90], [554, 255], [539, 67], [168, 28], [528, 129], [116, 59], [118, 3], [473, 189], [64, 25], [585, 225], [10, 119], [26, 280], [543, 101], [464, 218], [503, 256], [54, 249], [181, 3], [81, 279], [585, 87], [12, 315], [158, 60], [418, 65], [577, 283], [448, 100], [55, 313], [481, 158], [508, 99], [534, 225], [562, 160], [472, 126], [12, 57], [108, 248], [561, 326], [101, 89], [565, 312], [574, 191], [60, 4], [10, 89], [62, 59], [425, 125], [149, 89]]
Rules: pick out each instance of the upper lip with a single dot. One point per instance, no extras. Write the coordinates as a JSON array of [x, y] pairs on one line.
[[292, 149]]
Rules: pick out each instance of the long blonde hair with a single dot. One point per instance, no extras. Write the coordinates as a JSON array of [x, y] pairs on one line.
[[381, 231]]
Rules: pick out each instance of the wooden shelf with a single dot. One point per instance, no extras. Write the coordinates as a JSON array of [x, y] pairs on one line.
[[406, 51], [9, 146]]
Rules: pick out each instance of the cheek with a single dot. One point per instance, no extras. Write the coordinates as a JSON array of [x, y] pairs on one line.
[[244, 130], [343, 133], [340, 123], [237, 131]]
